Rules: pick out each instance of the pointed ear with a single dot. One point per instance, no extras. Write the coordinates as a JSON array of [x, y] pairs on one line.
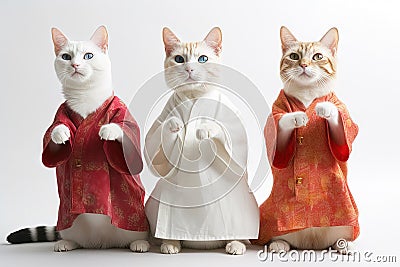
[[214, 40], [59, 40], [170, 40], [100, 38], [331, 39], [287, 38]]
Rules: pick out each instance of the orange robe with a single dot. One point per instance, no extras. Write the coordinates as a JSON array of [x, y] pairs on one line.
[[310, 177]]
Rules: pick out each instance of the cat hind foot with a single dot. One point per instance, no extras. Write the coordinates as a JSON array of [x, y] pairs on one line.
[[65, 245], [171, 246], [279, 245], [235, 248], [140, 246]]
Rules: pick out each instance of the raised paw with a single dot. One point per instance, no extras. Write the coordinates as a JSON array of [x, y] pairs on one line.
[[293, 120], [279, 245], [326, 110], [174, 125], [111, 132], [235, 248], [171, 247], [65, 245], [140, 246], [344, 247], [207, 131], [60, 134]]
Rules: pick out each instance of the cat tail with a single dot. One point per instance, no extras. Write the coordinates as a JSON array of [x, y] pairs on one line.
[[34, 234]]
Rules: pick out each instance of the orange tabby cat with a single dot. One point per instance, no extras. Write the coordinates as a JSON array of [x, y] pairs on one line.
[[309, 136]]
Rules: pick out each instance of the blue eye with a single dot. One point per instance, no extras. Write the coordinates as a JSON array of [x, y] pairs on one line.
[[179, 59], [88, 56], [203, 59], [66, 57]]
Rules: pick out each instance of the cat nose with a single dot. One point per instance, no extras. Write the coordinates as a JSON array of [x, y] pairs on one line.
[[75, 66], [303, 65], [189, 70]]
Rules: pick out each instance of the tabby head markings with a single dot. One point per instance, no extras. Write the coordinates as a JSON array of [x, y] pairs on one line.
[[308, 65]]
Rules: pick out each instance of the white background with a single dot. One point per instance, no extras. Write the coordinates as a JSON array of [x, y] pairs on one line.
[[368, 83]]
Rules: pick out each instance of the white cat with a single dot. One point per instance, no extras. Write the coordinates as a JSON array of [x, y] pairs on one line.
[[84, 70], [209, 224]]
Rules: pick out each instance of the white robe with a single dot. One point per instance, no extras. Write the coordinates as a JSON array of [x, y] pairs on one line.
[[206, 195]]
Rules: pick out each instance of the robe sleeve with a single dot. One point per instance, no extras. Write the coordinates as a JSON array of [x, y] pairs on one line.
[[278, 159], [54, 154], [126, 157], [342, 152]]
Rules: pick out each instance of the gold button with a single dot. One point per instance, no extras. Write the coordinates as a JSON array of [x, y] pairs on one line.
[[78, 163], [299, 180], [300, 140]]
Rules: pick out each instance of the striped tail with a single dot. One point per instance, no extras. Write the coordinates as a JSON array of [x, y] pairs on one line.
[[34, 234]]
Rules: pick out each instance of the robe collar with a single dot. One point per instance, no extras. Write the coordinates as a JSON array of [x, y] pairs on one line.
[[294, 101], [78, 119]]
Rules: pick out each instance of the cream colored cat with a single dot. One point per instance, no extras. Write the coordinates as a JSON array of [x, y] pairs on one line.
[[223, 222]]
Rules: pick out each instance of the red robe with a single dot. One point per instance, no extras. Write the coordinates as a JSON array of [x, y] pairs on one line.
[[93, 175], [310, 177]]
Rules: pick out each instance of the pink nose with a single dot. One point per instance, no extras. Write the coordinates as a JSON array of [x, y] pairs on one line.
[[75, 66], [303, 65], [189, 70]]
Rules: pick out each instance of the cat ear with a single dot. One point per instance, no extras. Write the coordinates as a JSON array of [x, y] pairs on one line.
[[170, 40], [331, 39], [100, 38], [214, 40], [59, 40], [287, 38]]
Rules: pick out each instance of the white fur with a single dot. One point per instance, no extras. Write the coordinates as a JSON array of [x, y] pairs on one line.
[[171, 246], [86, 84], [173, 125], [96, 231], [187, 77], [235, 248], [305, 94], [278, 246], [231, 247], [111, 132], [60, 134], [327, 110], [84, 92], [293, 120]]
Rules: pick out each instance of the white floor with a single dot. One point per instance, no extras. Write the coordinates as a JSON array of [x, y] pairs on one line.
[[42, 255]]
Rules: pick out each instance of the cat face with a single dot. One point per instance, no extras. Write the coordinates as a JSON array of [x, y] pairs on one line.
[[81, 64], [308, 64], [189, 63]]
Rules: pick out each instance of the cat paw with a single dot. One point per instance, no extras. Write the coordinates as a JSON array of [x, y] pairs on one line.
[[111, 132], [60, 134], [293, 120], [279, 245], [140, 246], [235, 248], [65, 245], [344, 247], [326, 110], [174, 125], [207, 131], [171, 247]]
